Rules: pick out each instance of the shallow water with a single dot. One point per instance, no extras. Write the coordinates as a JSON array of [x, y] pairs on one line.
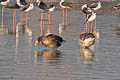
[[21, 60]]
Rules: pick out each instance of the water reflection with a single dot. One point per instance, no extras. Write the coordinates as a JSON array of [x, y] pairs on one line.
[[86, 55], [62, 27], [3, 29], [117, 29], [47, 55]]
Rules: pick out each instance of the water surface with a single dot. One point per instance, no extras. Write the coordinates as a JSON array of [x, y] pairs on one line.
[[21, 60]]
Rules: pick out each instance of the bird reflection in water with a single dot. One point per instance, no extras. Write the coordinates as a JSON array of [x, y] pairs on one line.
[[62, 27], [47, 54], [22, 28], [86, 54], [117, 29]]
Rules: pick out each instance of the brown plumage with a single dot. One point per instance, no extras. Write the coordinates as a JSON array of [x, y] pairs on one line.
[[50, 54], [49, 41], [86, 54], [86, 40], [117, 6]]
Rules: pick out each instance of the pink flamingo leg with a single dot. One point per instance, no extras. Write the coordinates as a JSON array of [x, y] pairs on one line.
[[48, 22], [66, 15], [63, 16], [27, 14], [14, 21], [2, 20], [21, 15]]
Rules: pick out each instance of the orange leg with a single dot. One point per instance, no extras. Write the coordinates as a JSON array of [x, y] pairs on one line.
[[27, 14], [48, 22], [88, 23], [43, 19], [15, 17], [85, 18], [88, 27], [63, 15], [41, 23], [49, 18], [95, 25], [66, 16], [91, 27], [2, 20], [21, 15], [84, 22], [14, 20]]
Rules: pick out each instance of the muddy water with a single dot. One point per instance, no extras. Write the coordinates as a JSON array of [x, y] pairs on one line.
[[21, 60]]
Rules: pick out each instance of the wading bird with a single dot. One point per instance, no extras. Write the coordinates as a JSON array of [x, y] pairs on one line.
[[3, 3]]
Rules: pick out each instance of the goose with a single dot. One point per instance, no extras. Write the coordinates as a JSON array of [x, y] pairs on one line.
[[86, 40], [50, 41]]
